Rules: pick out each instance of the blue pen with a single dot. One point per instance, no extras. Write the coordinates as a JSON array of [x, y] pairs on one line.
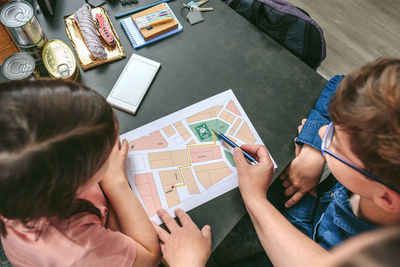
[[233, 145], [139, 9]]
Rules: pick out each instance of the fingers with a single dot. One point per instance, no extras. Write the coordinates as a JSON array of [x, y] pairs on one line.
[[252, 149], [168, 220], [116, 145], [299, 128], [283, 176], [285, 173], [263, 155], [239, 158], [294, 199], [297, 148], [290, 190], [162, 246], [183, 217], [286, 183], [259, 150], [313, 191], [124, 148], [161, 233], [206, 232]]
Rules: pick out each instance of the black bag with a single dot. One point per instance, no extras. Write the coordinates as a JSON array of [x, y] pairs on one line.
[[47, 7], [288, 25]]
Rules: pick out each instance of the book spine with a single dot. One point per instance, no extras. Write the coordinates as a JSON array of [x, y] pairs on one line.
[[128, 34]]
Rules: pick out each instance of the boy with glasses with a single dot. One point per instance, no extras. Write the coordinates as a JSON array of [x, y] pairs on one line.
[[358, 119]]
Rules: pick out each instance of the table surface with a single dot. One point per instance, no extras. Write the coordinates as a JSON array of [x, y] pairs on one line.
[[225, 51]]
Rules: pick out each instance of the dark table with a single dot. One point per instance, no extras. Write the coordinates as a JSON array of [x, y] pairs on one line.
[[225, 51]]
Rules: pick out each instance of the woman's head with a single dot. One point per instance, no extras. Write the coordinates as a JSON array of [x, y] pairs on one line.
[[54, 136]]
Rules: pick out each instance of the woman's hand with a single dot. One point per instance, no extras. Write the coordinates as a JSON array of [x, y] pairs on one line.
[[186, 245], [116, 172]]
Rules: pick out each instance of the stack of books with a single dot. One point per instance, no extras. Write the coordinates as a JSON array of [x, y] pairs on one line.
[[151, 25]]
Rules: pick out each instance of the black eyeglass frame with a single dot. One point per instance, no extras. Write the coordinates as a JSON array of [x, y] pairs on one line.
[[326, 141]]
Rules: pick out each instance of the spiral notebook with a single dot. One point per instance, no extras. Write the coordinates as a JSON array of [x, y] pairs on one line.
[[136, 38]]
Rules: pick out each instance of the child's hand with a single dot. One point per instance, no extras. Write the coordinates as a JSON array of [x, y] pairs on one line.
[[303, 173], [254, 180], [186, 245], [115, 173]]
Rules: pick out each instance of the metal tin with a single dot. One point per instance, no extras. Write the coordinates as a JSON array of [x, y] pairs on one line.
[[19, 66], [18, 17], [23, 27], [35, 50], [59, 60]]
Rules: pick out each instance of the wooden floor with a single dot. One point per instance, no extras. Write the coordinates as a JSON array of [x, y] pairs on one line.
[[356, 31]]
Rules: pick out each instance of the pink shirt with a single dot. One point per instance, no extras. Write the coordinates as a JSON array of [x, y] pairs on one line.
[[82, 240]]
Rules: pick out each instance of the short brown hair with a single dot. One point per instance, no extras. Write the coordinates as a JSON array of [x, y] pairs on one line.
[[367, 106], [383, 251], [54, 136]]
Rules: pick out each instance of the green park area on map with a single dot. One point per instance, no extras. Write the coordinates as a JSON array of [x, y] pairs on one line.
[[203, 130]]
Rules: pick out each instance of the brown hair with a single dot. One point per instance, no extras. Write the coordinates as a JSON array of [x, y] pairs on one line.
[[384, 252], [367, 106], [54, 136]]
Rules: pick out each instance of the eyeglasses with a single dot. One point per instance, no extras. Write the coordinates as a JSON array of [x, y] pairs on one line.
[[326, 141]]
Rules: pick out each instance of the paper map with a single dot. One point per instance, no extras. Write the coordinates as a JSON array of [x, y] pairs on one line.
[[177, 162]]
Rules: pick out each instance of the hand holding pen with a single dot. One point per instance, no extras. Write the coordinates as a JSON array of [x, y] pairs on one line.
[[251, 160], [254, 181]]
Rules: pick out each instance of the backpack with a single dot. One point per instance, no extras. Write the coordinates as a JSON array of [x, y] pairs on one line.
[[288, 25]]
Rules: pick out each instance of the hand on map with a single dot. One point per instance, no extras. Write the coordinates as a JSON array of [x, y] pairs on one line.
[[254, 180], [185, 245], [303, 173], [115, 172]]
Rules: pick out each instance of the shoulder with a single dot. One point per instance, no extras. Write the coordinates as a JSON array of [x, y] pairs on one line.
[[106, 248], [335, 81], [100, 244], [78, 241]]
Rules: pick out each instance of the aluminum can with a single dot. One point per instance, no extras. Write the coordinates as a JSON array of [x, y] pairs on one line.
[[35, 50], [23, 27], [59, 60], [19, 66]]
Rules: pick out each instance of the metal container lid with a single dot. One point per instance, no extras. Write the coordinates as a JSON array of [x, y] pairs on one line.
[[59, 60], [16, 14], [18, 66]]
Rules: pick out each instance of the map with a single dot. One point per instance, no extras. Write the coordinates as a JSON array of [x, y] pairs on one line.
[[178, 162]]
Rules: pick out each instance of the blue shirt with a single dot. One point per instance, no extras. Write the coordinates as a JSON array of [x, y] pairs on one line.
[[329, 219]]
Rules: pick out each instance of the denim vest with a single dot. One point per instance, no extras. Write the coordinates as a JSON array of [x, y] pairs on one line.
[[329, 219], [319, 115]]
